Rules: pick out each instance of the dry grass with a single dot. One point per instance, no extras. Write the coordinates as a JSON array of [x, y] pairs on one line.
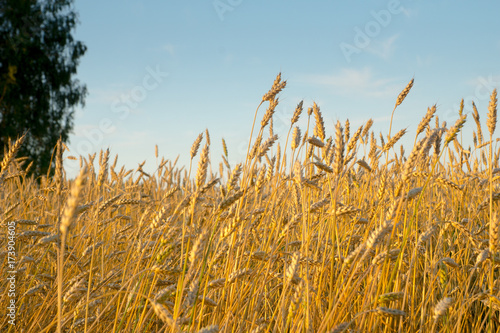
[[339, 233]]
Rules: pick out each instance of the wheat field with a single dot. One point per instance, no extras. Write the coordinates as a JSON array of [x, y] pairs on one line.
[[326, 233]]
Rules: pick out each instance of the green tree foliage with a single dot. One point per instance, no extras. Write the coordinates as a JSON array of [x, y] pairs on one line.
[[38, 61]]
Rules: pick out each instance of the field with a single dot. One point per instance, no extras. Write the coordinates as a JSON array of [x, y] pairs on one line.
[[340, 233]]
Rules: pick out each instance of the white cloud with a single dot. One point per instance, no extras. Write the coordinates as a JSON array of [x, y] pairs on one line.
[[106, 96], [424, 61], [489, 81], [408, 12], [80, 129], [351, 81], [481, 88], [383, 49], [169, 48]]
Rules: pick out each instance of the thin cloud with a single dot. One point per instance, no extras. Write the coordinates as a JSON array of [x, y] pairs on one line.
[[408, 12], [351, 81], [481, 88], [105, 96], [424, 61], [169, 48], [488, 81], [383, 49]]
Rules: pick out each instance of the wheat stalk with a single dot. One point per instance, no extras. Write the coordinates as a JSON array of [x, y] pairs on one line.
[[201, 174], [475, 115], [400, 100], [275, 89], [297, 113], [491, 122], [319, 129]]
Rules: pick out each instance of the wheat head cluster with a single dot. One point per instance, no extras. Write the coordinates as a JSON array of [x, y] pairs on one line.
[[339, 232]]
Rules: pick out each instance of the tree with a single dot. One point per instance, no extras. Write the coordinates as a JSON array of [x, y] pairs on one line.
[[38, 61]]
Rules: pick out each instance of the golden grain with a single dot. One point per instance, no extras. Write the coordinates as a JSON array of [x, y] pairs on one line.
[[441, 307], [491, 122], [475, 115], [297, 112], [319, 129], [404, 93], [305, 241], [275, 89], [392, 141], [163, 314], [196, 145], [201, 174], [452, 132], [390, 312], [295, 138], [494, 233]]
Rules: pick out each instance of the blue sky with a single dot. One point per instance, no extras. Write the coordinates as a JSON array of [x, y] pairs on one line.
[[161, 72]]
